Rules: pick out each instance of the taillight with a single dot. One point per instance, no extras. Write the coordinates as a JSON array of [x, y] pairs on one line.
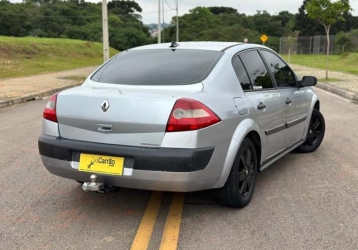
[[50, 109], [188, 114]]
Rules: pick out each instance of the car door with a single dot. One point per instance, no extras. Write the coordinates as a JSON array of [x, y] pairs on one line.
[[297, 99], [265, 97]]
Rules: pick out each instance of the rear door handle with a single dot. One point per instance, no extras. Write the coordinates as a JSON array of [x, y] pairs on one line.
[[288, 101], [261, 105]]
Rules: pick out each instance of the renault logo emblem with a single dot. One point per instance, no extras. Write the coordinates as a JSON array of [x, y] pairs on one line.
[[105, 105]]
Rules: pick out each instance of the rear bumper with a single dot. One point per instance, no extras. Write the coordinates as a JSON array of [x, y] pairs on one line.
[[138, 158], [165, 169]]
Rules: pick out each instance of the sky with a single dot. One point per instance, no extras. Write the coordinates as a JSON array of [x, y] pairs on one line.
[[249, 7]]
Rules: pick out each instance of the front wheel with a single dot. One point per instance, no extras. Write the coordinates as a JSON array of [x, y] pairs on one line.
[[315, 133], [239, 187]]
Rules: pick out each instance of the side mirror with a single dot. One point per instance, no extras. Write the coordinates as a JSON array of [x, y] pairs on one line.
[[308, 81]]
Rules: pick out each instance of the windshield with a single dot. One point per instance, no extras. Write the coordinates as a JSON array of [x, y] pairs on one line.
[[158, 67]]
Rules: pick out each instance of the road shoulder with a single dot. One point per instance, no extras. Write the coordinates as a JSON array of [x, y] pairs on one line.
[[24, 89]]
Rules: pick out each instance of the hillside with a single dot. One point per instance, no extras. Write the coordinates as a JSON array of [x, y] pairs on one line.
[[29, 55]]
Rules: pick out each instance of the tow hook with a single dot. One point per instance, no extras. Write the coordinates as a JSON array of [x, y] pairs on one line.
[[93, 185], [98, 187]]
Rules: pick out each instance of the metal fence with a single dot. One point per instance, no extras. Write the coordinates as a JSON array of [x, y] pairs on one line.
[[307, 45]]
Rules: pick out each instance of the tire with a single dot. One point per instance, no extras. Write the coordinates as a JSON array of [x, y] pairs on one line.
[[315, 133], [235, 193]]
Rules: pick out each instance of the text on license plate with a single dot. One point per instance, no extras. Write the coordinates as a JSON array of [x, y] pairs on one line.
[[101, 164]]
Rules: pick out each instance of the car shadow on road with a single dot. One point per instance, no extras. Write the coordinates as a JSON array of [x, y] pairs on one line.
[[268, 178]]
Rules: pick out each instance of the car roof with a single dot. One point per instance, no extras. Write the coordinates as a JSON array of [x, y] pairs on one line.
[[214, 46]]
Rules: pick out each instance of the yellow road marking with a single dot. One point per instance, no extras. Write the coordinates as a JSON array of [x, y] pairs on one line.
[[172, 226], [146, 226]]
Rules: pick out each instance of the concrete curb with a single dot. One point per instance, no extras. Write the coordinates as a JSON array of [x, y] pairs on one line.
[[35, 96], [341, 92]]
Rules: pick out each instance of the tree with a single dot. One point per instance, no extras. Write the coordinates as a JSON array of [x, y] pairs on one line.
[[348, 41], [226, 24], [291, 40], [125, 8], [306, 25], [286, 18], [310, 27], [266, 24], [327, 12], [343, 41], [222, 10], [76, 19], [193, 24]]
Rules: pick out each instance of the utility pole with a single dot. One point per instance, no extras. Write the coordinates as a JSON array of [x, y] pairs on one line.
[[163, 22], [105, 39], [159, 25], [177, 7]]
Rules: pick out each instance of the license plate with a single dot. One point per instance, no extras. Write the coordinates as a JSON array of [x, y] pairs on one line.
[[101, 164]]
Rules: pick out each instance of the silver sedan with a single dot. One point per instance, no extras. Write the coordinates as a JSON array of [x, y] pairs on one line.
[[182, 117]]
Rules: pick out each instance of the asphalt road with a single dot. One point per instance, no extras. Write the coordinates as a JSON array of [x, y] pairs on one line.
[[300, 202]]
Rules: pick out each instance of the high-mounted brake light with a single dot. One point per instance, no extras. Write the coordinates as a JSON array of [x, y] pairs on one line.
[[188, 114], [50, 109]]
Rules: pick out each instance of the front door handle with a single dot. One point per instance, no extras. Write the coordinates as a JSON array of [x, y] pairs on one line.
[[261, 105], [288, 101]]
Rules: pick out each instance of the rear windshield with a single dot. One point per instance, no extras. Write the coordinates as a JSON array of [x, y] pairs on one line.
[[158, 67]]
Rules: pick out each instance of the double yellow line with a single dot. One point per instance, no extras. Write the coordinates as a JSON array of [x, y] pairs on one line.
[[172, 226]]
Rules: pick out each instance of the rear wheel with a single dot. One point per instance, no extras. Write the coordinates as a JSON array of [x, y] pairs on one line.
[[239, 187], [315, 133]]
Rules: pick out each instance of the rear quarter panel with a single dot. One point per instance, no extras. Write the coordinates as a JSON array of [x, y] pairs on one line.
[[220, 89]]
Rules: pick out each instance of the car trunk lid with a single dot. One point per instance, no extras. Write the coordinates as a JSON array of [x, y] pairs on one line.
[[132, 116]]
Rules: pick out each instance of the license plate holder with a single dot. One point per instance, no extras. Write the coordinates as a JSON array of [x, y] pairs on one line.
[[101, 164]]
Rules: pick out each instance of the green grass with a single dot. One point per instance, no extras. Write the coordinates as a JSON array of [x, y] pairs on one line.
[[29, 55], [347, 63]]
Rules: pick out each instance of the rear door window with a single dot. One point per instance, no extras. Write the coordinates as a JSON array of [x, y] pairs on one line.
[[280, 70], [158, 67], [256, 69]]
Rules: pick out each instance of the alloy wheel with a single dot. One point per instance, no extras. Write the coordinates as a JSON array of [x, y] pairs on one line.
[[314, 132], [246, 172]]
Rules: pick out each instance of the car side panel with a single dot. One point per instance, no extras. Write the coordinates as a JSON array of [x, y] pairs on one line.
[[242, 130], [313, 101], [297, 113], [220, 90], [272, 120]]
